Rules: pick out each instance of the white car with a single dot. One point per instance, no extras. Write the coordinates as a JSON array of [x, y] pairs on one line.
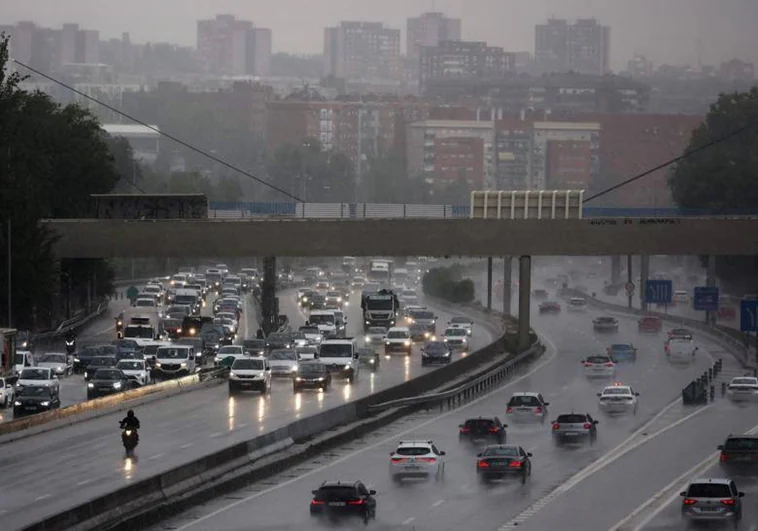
[[680, 350], [325, 321], [462, 322], [236, 351], [417, 459], [600, 366], [39, 376], [618, 398], [527, 406], [283, 362], [577, 304], [312, 334], [375, 336], [7, 392], [252, 373], [456, 338], [398, 339], [59, 362], [136, 370], [24, 358], [307, 353], [742, 388]]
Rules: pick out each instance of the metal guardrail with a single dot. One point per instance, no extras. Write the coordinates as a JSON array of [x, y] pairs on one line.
[[76, 322], [465, 392]]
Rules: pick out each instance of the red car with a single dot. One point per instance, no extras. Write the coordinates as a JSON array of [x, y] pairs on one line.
[[550, 307], [650, 324]]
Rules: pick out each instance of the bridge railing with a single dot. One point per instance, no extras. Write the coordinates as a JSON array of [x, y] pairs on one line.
[[409, 210]]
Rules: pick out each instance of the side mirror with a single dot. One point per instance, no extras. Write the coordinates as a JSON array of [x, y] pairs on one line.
[[479, 454], [372, 492], [314, 492], [596, 422], [720, 447], [505, 425], [599, 394], [545, 403], [636, 394], [356, 356], [741, 494], [529, 454], [442, 452], [697, 348], [462, 425], [391, 453], [683, 493]]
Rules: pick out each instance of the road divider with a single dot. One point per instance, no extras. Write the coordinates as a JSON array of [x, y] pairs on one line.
[[156, 497]]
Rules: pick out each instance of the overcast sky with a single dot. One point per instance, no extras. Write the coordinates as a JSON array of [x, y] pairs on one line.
[[664, 30]]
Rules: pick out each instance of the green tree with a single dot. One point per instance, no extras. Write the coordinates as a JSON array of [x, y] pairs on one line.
[[52, 158], [723, 178]]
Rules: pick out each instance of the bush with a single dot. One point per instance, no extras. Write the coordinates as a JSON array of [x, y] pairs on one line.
[[446, 283]]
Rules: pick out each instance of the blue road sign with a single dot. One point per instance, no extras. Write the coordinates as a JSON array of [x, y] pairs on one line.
[[659, 291], [749, 316], [706, 298]]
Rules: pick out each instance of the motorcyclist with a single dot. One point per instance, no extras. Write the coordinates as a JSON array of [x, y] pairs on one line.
[[70, 335], [130, 421], [259, 334]]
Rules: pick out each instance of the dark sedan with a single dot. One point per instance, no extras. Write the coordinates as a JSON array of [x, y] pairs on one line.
[[311, 375], [481, 429], [99, 362], [346, 499], [501, 461], [107, 382], [35, 399], [254, 347], [435, 352], [550, 307]]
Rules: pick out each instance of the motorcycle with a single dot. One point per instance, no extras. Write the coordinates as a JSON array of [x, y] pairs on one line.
[[70, 346], [130, 440], [119, 327]]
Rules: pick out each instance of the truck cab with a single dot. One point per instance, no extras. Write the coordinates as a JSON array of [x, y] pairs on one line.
[[379, 309]]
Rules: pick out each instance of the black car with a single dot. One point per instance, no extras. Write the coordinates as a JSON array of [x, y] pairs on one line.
[[370, 358], [336, 499], [435, 352], [739, 453], [254, 347], [35, 399], [503, 460], [83, 357], [99, 362], [311, 375], [483, 428], [318, 302], [278, 341], [105, 382]]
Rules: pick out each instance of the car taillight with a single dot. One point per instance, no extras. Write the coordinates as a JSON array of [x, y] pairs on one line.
[[727, 502], [689, 501], [317, 502], [426, 459], [588, 365], [509, 410], [465, 430], [538, 409], [556, 426], [399, 459], [482, 464], [356, 502], [723, 457], [609, 364], [494, 430], [515, 464], [587, 425]]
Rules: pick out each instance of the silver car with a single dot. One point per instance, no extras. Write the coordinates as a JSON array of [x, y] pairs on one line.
[[574, 427], [60, 363], [375, 336], [709, 499]]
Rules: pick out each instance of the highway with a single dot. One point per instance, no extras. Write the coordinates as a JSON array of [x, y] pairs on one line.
[[460, 502], [56, 470]]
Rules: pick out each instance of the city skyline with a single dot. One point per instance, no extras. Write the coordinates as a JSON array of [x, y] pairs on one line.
[[659, 31]]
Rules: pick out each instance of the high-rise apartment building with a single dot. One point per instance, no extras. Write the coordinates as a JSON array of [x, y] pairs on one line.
[[464, 61], [362, 50], [228, 46], [430, 29], [582, 47]]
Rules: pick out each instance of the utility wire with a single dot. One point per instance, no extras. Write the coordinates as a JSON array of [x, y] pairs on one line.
[[162, 133], [685, 155]]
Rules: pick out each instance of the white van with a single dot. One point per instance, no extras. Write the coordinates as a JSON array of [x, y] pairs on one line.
[[325, 321], [24, 358], [173, 361]]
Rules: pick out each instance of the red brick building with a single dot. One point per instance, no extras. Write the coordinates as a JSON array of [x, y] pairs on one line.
[[569, 165], [458, 158]]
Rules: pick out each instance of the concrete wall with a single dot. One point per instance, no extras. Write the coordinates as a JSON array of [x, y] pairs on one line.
[[403, 237]]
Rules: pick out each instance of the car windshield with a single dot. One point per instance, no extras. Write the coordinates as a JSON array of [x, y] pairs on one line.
[[422, 315], [598, 359], [323, 319], [501, 451], [278, 338], [744, 381], [337, 492], [290, 355], [53, 358], [460, 320], [709, 490], [172, 323], [413, 450], [741, 443], [107, 374], [34, 391], [332, 294], [571, 419], [455, 332], [479, 423], [145, 303], [172, 353], [435, 347], [311, 368], [397, 334], [35, 374], [19, 359], [248, 364], [522, 400], [310, 330], [336, 350], [621, 347], [578, 302], [230, 349], [617, 391], [606, 319], [128, 365]]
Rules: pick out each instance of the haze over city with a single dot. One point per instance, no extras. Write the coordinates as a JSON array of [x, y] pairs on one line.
[[665, 32]]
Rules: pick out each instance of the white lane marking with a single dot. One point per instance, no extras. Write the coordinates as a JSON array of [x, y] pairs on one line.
[[617, 453], [438, 503], [85, 482], [539, 366], [43, 497], [185, 446], [405, 522], [217, 434], [675, 487], [156, 456]]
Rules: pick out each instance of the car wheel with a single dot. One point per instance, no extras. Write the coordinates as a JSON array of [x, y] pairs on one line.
[[295, 389], [232, 390], [350, 379], [523, 477]]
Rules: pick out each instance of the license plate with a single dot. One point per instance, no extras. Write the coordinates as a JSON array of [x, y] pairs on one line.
[[709, 509], [744, 458], [412, 467], [524, 409], [337, 504], [571, 434]]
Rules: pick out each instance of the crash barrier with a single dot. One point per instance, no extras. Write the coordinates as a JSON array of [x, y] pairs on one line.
[[703, 389], [726, 337], [466, 392], [75, 323], [109, 509], [103, 403]]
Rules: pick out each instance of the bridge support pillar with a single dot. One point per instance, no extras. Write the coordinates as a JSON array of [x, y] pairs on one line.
[[630, 279], [524, 293], [489, 284], [615, 270], [710, 281], [269, 302], [507, 282], [644, 275]]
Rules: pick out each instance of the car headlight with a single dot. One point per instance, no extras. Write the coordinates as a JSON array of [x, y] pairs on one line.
[[305, 299], [320, 379], [117, 385], [16, 403], [184, 364], [91, 385], [157, 363], [232, 374], [372, 360], [387, 343], [368, 338], [406, 343], [86, 374], [77, 360], [368, 322], [446, 354], [294, 368], [347, 366]]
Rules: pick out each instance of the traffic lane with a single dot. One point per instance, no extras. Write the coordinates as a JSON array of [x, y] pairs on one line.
[[175, 431], [460, 501], [619, 488]]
